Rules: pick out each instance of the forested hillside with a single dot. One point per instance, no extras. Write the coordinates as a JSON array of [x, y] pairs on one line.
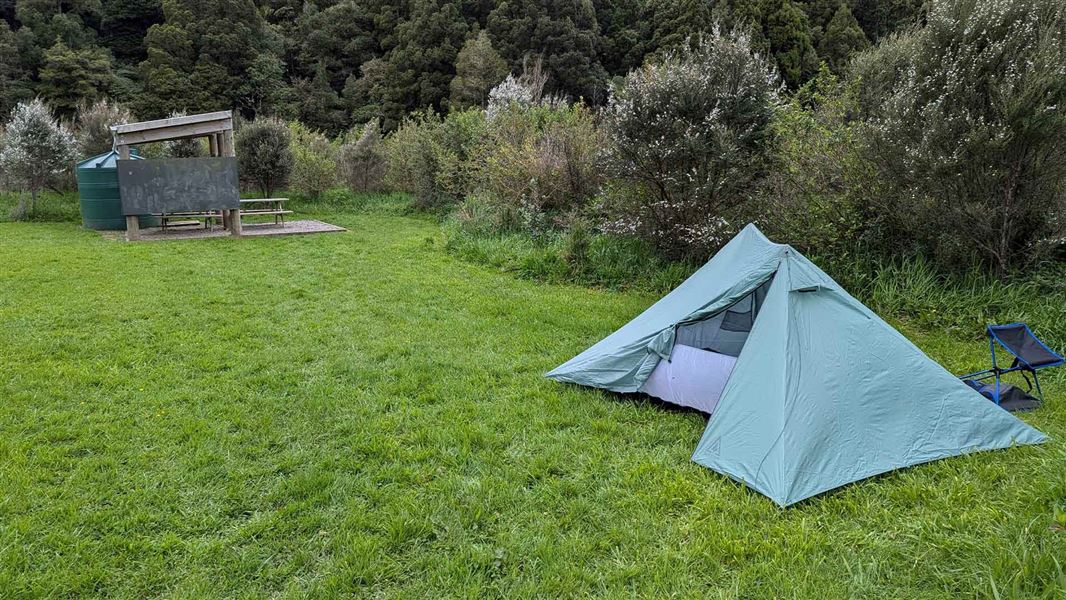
[[335, 63]]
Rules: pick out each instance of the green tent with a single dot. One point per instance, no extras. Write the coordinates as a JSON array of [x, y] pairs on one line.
[[807, 388]]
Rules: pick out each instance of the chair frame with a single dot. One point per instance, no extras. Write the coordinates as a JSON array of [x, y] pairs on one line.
[[1019, 363]]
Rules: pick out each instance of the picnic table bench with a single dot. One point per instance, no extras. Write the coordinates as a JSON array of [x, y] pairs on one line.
[[272, 206]]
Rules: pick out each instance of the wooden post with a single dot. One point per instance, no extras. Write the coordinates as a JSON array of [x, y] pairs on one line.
[[133, 222], [133, 228], [212, 141], [228, 149]]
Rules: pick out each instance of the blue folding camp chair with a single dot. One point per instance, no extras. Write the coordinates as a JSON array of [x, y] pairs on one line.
[[1030, 355]]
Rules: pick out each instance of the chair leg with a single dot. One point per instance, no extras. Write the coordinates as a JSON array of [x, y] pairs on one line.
[[1039, 391]]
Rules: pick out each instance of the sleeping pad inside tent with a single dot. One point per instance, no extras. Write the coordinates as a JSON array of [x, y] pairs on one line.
[[807, 389]]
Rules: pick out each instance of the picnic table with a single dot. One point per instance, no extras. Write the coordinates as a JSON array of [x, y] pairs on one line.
[[270, 206], [249, 206]]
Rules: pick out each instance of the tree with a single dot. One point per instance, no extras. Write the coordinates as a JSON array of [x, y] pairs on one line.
[[423, 62], [687, 137], [842, 39], [13, 80], [70, 76], [879, 18], [338, 39], [35, 151], [787, 32], [265, 90], [93, 125], [200, 56], [478, 68], [263, 154], [319, 106], [124, 25], [965, 132], [625, 27], [677, 21], [564, 34]]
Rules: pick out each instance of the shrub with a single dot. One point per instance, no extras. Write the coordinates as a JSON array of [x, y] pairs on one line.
[[435, 159], [361, 162], [461, 151], [966, 131], [314, 168], [812, 197], [93, 125], [411, 158], [36, 150], [263, 154], [525, 90], [542, 163], [686, 139]]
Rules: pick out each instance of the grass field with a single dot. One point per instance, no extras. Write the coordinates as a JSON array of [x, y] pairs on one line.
[[364, 415]]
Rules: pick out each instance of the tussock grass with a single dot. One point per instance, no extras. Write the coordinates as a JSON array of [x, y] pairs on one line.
[[364, 415]]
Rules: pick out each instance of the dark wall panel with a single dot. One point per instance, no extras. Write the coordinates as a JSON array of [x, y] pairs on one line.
[[178, 185]]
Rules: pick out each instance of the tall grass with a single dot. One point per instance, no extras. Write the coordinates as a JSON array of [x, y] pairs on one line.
[[912, 289], [605, 261]]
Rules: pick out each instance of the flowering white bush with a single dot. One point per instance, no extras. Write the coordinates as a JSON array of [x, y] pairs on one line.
[[35, 150], [510, 91], [967, 128], [93, 125], [687, 136]]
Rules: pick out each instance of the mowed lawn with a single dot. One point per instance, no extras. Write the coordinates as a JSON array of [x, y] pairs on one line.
[[362, 415]]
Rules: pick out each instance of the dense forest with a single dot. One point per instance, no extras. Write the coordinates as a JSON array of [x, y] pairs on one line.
[[335, 63]]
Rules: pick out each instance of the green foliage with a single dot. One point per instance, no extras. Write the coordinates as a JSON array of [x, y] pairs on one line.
[[815, 192], [337, 63], [686, 139], [93, 125], [966, 132], [540, 164], [460, 153], [200, 56], [361, 160], [319, 106], [786, 30], [264, 154], [676, 22], [842, 39], [14, 86], [423, 63], [72, 76], [879, 18], [314, 168], [563, 34], [36, 150], [413, 157], [124, 25], [478, 68]]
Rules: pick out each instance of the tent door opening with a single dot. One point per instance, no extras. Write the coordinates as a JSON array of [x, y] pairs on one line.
[[704, 354]]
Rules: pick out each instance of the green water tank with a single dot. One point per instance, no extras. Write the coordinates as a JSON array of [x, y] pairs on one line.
[[101, 206]]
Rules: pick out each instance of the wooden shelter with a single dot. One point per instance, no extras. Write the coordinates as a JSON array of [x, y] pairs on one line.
[[217, 127]]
